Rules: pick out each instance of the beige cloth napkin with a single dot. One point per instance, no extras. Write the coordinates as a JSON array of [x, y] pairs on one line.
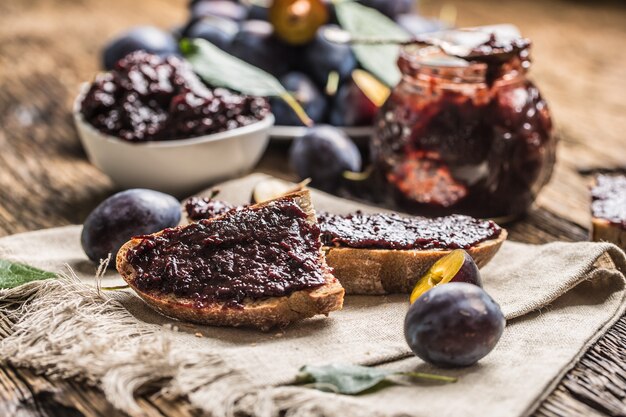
[[558, 299]]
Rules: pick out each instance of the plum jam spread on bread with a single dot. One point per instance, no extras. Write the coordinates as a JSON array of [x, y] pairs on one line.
[[609, 199], [382, 253], [608, 209], [391, 231], [379, 230], [259, 252], [259, 266], [199, 208]]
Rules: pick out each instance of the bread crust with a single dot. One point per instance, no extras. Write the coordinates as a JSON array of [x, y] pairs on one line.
[[603, 230], [387, 271], [263, 314]]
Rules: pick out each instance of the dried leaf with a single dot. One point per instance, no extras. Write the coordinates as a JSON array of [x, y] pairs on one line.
[[356, 379]]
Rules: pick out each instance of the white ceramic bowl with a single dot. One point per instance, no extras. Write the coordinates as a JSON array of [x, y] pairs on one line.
[[178, 167]]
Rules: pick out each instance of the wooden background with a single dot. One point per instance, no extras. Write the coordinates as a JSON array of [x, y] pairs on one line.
[[48, 47]]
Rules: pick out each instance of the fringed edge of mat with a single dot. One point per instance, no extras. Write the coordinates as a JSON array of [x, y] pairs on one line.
[[44, 326]]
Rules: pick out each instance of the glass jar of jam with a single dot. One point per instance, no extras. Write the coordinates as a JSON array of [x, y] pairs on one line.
[[467, 135]]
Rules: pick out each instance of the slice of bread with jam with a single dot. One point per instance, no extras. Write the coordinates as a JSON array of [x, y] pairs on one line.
[[261, 266]]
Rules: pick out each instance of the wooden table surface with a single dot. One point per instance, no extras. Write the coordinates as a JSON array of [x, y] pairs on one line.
[[47, 48]]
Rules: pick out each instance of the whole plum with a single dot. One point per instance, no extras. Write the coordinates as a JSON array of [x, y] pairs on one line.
[[323, 154], [258, 12], [146, 38], [306, 93], [358, 100], [220, 32], [220, 8], [390, 8], [124, 215], [256, 44], [454, 324], [321, 57]]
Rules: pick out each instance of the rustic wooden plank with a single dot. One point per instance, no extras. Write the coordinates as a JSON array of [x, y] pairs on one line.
[[16, 398], [561, 403], [541, 226], [52, 399], [600, 378], [172, 408], [56, 398]]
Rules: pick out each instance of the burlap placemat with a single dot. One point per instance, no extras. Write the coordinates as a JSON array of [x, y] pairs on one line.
[[558, 299]]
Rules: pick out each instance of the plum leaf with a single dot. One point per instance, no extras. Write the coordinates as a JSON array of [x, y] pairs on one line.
[[13, 274], [366, 23], [220, 69], [355, 379], [343, 379]]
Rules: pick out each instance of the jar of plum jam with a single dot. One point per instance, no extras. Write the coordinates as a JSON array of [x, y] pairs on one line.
[[467, 135]]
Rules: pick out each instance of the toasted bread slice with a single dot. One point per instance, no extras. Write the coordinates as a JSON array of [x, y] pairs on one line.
[[603, 230], [608, 199], [386, 271], [263, 313]]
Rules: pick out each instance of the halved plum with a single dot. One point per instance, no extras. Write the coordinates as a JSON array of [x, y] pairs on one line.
[[457, 266], [358, 100]]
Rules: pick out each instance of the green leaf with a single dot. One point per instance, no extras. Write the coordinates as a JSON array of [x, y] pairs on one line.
[[342, 379], [221, 69], [355, 379], [366, 23], [14, 274]]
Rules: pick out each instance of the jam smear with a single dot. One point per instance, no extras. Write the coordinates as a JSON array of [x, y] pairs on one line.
[[382, 231], [268, 251], [152, 98], [495, 53], [198, 208], [609, 199], [391, 231]]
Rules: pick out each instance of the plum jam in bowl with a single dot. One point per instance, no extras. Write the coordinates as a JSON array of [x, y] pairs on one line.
[[468, 135], [151, 123]]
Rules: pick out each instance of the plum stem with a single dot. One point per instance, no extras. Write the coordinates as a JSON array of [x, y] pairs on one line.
[[432, 377], [332, 84], [297, 108], [358, 176], [214, 193], [115, 288]]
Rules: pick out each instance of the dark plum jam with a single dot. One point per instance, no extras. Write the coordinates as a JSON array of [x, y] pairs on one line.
[[609, 199], [271, 251], [379, 230], [471, 136], [151, 98], [198, 208], [391, 231]]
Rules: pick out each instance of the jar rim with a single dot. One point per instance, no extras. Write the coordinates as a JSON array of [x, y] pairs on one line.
[[432, 61], [438, 58], [418, 61]]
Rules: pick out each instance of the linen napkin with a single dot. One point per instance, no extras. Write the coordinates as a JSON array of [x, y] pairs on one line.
[[558, 299]]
